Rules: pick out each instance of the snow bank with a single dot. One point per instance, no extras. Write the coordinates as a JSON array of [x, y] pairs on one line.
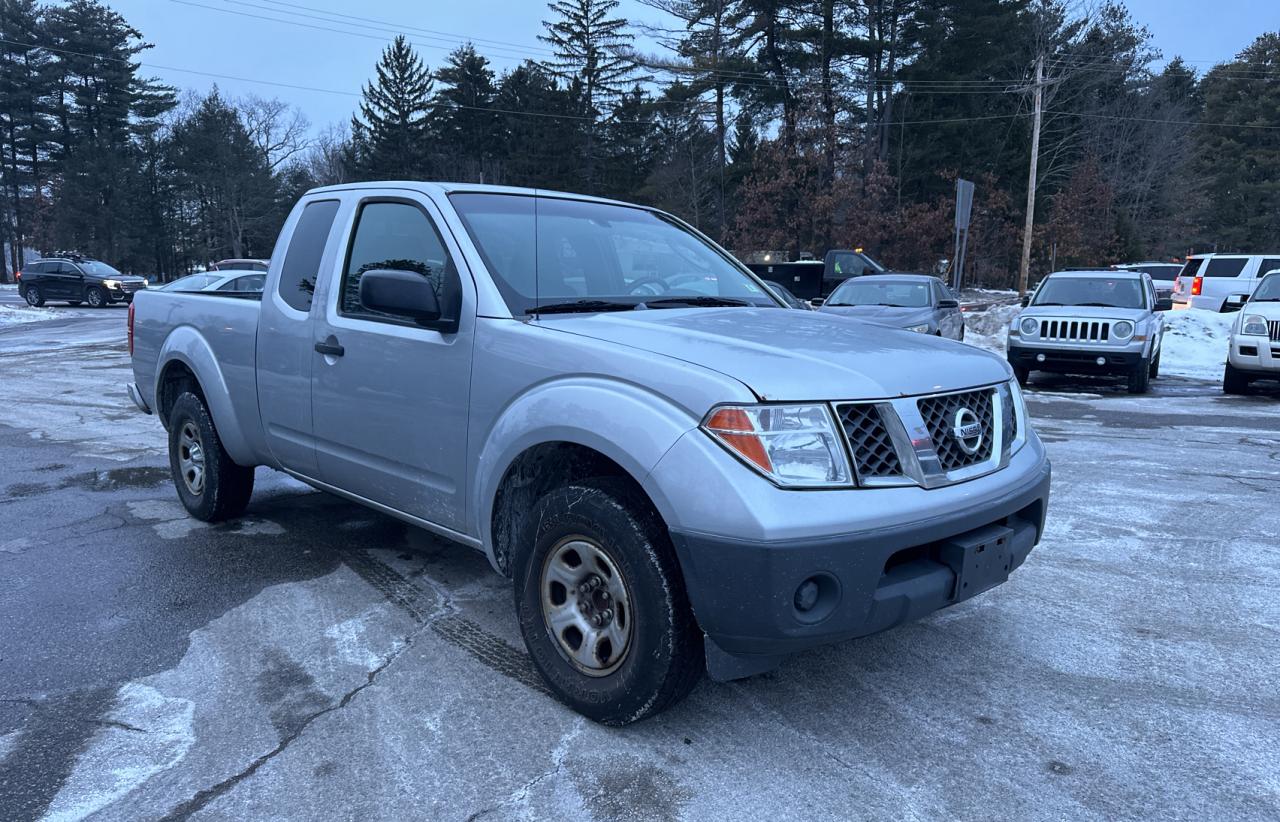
[[1195, 341], [8, 286], [988, 329], [13, 315]]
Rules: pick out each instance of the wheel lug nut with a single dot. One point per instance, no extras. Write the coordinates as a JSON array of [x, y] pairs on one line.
[[606, 614], [597, 620], [604, 595]]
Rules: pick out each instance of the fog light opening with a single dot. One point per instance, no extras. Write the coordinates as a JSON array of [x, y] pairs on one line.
[[1101, 361], [807, 596], [1039, 357], [816, 598]]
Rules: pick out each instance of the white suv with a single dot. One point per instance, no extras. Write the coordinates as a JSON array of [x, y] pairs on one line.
[[1254, 351], [1221, 282]]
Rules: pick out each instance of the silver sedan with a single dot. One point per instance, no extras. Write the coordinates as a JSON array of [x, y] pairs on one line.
[[915, 302]]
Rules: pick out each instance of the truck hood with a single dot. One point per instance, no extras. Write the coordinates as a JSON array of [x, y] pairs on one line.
[[796, 355], [883, 314]]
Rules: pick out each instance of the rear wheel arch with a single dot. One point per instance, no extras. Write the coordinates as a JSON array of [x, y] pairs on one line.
[[176, 378]]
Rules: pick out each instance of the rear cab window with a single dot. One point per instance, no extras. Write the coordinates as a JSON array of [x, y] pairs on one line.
[[1269, 264], [297, 283]]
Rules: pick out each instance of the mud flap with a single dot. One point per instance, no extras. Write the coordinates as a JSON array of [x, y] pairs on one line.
[[723, 666]]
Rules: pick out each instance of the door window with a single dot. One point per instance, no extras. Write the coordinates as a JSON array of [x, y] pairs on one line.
[[401, 237], [1268, 265], [297, 283]]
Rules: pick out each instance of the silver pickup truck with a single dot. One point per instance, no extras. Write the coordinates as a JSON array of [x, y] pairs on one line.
[[677, 472]]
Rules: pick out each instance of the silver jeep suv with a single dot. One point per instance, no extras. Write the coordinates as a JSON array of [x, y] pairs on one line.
[[1090, 322]]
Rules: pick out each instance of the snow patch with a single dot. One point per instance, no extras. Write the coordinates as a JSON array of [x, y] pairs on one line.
[[147, 733], [171, 521], [349, 640], [17, 315], [8, 742], [989, 329]]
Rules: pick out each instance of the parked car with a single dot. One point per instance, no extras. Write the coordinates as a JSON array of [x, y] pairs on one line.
[[234, 281], [675, 474], [1253, 352], [240, 264], [1221, 282], [915, 302], [780, 291], [76, 280], [1090, 322], [1163, 276]]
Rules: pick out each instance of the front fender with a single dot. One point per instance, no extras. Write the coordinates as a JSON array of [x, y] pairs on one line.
[[627, 423], [188, 346]]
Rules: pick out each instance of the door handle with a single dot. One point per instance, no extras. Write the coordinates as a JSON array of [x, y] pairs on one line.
[[330, 348]]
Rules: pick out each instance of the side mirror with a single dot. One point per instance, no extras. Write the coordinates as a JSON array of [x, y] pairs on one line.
[[817, 302], [1026, 300], [948, 303], [1164, 304], [401, 294]]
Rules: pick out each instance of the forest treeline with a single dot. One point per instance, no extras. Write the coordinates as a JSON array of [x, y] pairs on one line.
[[789, 126]]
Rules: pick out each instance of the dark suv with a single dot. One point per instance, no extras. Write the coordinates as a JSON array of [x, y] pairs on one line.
[[76, 280]]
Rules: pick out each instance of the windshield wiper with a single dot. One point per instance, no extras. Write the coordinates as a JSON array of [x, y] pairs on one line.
[[1046, 303], [675, 302], [1100, 305], [1265, 300], [580, 307]]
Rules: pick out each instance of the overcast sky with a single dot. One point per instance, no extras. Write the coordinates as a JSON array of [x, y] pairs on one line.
[[232, 38]]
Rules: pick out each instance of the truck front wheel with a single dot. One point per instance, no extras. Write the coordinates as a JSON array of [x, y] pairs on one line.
[[602, 605], [210, 486]]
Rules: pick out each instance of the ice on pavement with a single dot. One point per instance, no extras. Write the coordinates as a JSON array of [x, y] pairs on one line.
[[1195, 341]]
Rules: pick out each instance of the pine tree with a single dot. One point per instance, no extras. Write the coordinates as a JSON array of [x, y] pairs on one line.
[[24, 122], [543, 149], [390, 136], [464, 121]]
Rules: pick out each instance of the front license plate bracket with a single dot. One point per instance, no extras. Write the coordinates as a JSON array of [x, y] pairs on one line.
[[980, 559]]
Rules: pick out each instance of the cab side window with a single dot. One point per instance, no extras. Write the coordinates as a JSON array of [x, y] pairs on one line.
[[397, 236]]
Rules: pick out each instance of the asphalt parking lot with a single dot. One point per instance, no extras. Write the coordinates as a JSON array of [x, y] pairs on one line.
[[319, 660]]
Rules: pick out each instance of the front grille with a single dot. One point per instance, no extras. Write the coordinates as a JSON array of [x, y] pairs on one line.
[[1273, 329], [1073, 330], [940, 414], [873, 451], [132, 286]]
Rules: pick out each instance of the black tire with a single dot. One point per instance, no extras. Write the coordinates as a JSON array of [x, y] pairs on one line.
[[1022, 374], [33, 296], [96, 297], [1140, 378], [663, 657], [1234, 381], [1155, 366], [223, 488]]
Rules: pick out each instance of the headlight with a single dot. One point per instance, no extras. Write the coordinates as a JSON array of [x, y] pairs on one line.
[[1254, 325], [1028, 327], [922, 328], [114, 285], [796, 446], [1122, 330]]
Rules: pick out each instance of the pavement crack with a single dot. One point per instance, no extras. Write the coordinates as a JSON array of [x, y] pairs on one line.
[[521, 794], [203, 797]]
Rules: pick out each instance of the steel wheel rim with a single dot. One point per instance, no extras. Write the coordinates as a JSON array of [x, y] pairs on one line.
[[586, 606], [191, 458]]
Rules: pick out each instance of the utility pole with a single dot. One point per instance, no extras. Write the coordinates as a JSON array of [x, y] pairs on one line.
[[1024, 270]]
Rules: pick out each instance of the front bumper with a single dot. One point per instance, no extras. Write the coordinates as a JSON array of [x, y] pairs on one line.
[[1257, 355], [743, 591], [1065, 360]]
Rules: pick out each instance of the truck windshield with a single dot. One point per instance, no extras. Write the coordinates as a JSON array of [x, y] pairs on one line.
[[585, 256], [864, 292], [1108, 292], [1268, 290]]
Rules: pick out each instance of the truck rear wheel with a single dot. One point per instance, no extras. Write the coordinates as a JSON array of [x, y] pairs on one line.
[[210, 486], [602, 605]]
